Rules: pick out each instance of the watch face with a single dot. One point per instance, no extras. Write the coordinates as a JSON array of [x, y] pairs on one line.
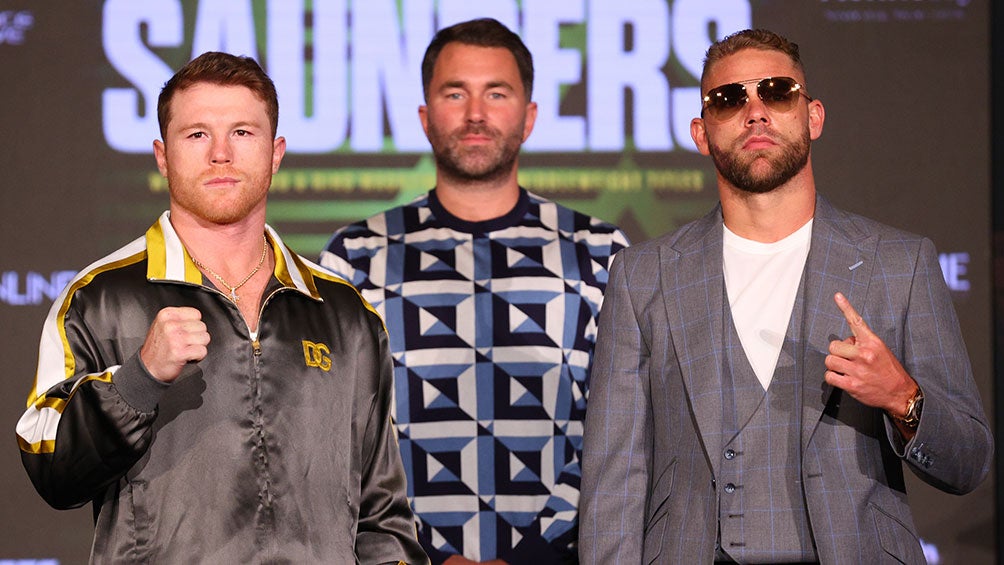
[[912, 418]]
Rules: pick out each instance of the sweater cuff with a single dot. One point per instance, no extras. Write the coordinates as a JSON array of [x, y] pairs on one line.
[[535, 549]]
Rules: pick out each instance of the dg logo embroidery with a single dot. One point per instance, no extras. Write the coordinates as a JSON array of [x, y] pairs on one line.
[[316, 355]]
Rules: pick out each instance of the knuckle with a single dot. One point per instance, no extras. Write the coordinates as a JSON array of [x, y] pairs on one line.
[[868, 355]]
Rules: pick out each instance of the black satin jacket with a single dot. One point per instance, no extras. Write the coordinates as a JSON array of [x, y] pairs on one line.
[[277, 447]]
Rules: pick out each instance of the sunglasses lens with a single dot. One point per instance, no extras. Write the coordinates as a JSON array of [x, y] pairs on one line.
[[724, 101], [778, 93]]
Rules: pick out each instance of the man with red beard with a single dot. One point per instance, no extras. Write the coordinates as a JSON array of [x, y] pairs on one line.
[[216, 397], [727, 422], [491, 295]]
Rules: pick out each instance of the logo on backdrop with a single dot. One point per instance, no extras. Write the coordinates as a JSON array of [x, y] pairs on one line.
[[14, 25], [31, 288], [889, 11]]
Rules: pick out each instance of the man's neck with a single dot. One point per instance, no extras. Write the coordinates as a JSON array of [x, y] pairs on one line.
[[238, 253], [230, 250], [478, 201], [770, 216]]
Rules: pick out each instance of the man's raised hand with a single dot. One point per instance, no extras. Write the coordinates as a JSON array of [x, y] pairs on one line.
[[177, 336]]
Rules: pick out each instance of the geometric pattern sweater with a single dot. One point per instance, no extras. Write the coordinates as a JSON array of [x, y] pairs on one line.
[[492, 326]]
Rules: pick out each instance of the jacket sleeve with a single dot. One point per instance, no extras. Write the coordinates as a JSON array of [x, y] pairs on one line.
[[386, 523], [618, 432], [79, 433], [953, 447]]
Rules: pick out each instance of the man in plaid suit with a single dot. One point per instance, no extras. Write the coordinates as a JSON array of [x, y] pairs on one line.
[[741, 409]]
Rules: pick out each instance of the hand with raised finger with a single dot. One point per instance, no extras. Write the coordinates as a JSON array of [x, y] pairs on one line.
[[177, 336], [864, 367]]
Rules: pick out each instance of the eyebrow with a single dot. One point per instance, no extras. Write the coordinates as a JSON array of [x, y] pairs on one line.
[[462, 84], [243, 124]]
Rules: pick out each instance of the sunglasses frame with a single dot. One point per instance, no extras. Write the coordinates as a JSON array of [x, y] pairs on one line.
[[722, 114]]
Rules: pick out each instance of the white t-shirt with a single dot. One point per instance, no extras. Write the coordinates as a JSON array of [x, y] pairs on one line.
[[761, 280]]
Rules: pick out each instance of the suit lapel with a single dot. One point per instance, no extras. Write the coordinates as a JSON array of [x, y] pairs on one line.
[[692, 293], [841, 258]]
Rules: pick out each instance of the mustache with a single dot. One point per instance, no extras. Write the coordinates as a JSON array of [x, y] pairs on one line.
[[476, 129], [759, 130], [220, 172]]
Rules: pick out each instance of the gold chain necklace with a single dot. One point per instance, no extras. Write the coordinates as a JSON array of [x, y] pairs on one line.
[[233, 289]]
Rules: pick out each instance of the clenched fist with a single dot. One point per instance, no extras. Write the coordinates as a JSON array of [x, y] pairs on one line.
[[177, 336]]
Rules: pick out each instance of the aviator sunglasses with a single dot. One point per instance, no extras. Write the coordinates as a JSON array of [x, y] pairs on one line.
[[777, 93]]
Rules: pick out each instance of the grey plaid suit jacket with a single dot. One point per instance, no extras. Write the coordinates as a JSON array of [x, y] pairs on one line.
[[652, 432]]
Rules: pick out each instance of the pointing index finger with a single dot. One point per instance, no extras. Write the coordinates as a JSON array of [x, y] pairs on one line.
[[854, 320]]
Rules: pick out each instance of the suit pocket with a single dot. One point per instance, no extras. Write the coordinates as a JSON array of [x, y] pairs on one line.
[[898, 541], [658, 516]]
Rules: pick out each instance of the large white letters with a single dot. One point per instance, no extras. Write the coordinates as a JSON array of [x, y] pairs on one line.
[[349, 75], [692, 35], [387, 52], [612, 69], [130, 114], [555, 67], [313, 109], [224, 25]]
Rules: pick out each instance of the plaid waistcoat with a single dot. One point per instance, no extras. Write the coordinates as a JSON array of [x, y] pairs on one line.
[[762, 510]]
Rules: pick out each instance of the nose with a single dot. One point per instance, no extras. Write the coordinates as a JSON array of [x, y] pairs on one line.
[[756, 111], [475, 110], [221, 151]]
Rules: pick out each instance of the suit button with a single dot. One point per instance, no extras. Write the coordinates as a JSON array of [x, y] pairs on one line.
[[730, 454], [730, 488]]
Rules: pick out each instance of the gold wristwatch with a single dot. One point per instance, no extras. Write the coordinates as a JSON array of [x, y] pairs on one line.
[[913, 408]]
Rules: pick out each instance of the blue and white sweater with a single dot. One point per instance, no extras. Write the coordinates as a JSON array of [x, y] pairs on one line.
[[492, 326]]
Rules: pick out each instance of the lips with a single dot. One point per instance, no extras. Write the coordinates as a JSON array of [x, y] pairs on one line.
[[759, 142], [221, 182], [476, 134], [477, 139]]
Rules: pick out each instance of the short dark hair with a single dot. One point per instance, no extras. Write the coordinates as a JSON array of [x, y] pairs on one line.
[[761, 39], [223, 69], [483, 32]]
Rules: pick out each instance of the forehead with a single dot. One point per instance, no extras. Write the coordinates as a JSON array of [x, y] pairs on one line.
[[208, 102], [459, 62], [750, 64]]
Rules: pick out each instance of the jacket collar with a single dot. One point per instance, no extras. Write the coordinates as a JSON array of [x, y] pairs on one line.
[[168, 260]]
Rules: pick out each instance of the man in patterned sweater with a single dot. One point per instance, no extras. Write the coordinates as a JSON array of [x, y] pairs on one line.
[[491, 295]]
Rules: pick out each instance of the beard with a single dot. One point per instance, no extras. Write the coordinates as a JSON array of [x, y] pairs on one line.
[[475, 164], [739, 169], [227, 206]]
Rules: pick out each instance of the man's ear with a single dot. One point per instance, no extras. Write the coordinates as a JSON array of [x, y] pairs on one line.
[[700, 135], [531, 118], [278, 151], [423, 116], [817, 115], [160, 153]]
